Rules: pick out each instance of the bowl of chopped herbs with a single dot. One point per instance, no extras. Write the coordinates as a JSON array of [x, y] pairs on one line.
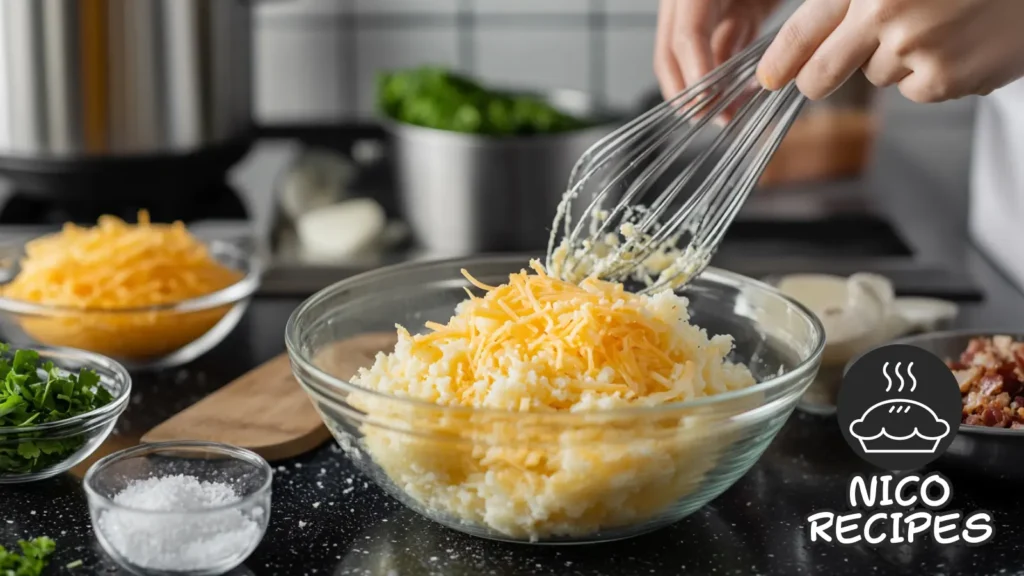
[[57, 405]]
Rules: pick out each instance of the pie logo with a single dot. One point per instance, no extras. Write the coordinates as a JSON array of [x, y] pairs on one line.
[[899, 407]]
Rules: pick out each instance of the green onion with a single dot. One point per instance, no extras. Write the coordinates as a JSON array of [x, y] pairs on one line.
[[31, 395], [32, 561], [440, 99]]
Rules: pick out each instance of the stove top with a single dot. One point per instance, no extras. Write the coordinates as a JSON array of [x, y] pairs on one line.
[[219, 201], [831, 227]]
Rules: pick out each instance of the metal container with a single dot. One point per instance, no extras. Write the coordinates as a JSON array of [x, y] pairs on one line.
[[126, 101], [833, 138], [994, 452], [466, 194], [123, 77]]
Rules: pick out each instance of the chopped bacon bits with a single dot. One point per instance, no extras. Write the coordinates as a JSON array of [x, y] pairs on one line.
[[990, 373]]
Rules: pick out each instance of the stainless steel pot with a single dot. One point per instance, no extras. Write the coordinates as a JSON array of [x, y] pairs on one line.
[[88, 78], [466, 194]]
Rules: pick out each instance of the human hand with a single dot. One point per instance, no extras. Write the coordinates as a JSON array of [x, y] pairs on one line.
[[695, 36], [934, 50]]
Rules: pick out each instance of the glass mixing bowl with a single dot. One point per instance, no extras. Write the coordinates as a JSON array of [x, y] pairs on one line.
[[151, 337], [549, 477]]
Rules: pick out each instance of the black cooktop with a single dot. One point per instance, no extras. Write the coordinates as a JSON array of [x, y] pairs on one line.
[[831, 227], [218, 201], [816, 227]]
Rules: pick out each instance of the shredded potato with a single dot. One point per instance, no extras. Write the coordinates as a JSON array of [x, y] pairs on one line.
[[535, 347], [114, 267]]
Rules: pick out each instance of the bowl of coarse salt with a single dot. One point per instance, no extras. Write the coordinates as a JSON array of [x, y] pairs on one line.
[[196, 508]]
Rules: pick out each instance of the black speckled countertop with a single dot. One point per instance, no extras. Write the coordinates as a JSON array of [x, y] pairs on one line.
[[327, 519]]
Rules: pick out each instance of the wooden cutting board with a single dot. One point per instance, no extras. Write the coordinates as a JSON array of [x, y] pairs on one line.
[[265, 410]]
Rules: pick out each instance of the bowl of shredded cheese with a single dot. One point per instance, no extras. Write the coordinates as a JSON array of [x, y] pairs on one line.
[[519, 407], [149, 295]]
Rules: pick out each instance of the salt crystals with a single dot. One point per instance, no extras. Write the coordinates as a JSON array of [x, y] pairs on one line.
[[147, 537]]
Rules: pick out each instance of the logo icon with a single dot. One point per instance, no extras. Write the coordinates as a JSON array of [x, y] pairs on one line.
[[898, 426], [899, 407]]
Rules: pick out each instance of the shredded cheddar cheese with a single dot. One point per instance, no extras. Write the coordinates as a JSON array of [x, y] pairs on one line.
[[117, 265], [113, 267], [534, 348]]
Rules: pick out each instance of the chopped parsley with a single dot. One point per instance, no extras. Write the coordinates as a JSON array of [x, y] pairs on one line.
[[32, 561], [440, 99], [29, 396]]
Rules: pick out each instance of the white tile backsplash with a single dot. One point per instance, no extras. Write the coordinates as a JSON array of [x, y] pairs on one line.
[[406, 6], [630, 72], [531, 6], [300, 73], [533, 58], [274, 8], [318, 59], [383, 48]]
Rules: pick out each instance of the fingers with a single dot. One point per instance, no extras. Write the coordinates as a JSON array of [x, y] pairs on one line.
[[932, 81], [748, 36], [694, 23], [922, 88], [798, 40], [840, 55], [726, 39], [884, 68], [730, 38], [666, 68]]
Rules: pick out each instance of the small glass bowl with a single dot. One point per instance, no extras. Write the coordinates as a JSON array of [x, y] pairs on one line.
[[78, 436], [551, 477], [152, 337], [145, 541]]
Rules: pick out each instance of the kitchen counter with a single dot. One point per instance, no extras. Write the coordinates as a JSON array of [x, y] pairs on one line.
[[319, 526], [327, 519]]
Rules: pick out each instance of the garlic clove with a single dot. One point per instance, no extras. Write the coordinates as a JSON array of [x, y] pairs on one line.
[[342, 229], [853, 312], [926, 314], [844, 308]]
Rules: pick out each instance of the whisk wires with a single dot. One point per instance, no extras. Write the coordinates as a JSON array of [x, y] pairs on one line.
[[643, 158]]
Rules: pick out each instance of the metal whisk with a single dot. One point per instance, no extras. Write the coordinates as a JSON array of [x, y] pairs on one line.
[[671, 239]]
